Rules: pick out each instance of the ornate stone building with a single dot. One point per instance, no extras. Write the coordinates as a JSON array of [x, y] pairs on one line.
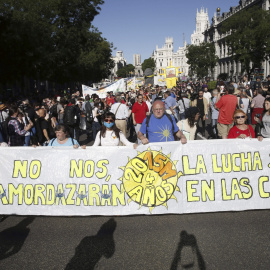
[[165, 55], [213, 34], [119, 62], [137, 64], [202, 23]]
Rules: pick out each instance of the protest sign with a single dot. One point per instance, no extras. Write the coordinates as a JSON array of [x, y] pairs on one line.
[[115, 87], [160, 178]]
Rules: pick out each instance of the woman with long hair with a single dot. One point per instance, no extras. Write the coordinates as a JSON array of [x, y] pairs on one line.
[[110, 134], [265, 123], [188, 126]]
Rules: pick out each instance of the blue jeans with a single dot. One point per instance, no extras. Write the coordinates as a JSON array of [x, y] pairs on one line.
[[95, 128], [26, 140], [182, 116], [214, 127]]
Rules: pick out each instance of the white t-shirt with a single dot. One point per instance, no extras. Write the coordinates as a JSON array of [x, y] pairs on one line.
[[207, 95], [184, 126], [111, 139], [245, 103], [94, 112]]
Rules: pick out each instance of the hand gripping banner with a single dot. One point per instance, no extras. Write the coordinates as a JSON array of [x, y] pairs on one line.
[[162, 178]]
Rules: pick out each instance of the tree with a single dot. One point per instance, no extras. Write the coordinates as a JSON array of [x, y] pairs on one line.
[[148, 63], [201, 59], [52, 40], [126, 71], [248, 37]]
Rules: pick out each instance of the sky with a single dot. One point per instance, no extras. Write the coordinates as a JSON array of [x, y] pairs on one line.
[[136, 27]]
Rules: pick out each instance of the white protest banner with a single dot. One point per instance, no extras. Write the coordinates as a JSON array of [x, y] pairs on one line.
[[115, 87], [87, 90], [162, 178], [118, 86]]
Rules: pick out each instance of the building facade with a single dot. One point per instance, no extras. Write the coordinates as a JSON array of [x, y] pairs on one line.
[[202, 24], [119, 62], [137, 64], [165, 55], [214, 34], [136, 60]]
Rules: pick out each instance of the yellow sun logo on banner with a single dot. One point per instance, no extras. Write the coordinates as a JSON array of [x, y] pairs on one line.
[[150, 179]]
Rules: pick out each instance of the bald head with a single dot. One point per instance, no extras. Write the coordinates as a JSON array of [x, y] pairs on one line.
[[41, 113], [158, 108]]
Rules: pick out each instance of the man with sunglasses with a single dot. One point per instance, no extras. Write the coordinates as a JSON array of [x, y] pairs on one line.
[[159, 126]]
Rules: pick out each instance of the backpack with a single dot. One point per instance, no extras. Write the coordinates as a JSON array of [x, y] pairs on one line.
[[148, 120], [53, 111], [70, 116], [38, 137], [88, 110]]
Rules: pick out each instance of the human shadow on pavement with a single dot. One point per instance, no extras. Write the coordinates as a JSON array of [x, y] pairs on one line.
[[92, 248], [2, 218], [187, 255], [12, 239]]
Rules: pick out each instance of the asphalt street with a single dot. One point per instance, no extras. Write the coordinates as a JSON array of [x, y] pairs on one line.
[[229, 240]]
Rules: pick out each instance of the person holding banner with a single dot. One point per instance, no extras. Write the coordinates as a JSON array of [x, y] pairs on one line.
[[188, 126], [160, 126], [264, 131], [63, 139], [240, 130], [110, 134]]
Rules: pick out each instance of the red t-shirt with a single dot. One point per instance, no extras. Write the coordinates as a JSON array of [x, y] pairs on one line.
[[110, 100], [226, 105], [235, 132], [139, 111]]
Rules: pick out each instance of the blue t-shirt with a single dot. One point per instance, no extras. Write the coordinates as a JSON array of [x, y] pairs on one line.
[[159, 130], [170, 102], [54, 142]]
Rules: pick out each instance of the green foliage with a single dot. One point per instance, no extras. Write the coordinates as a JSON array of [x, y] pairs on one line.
[[148, 63], [201, 59], [126, 71], [223, 76], [212, 85], [52, 40], [249, 37]]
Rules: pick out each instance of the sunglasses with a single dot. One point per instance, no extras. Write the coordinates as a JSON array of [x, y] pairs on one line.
[[238, 117], [107, 120]]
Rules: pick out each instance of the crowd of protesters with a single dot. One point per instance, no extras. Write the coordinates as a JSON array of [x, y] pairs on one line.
[[234, 110]]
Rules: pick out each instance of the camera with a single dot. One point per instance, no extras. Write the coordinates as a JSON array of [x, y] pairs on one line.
[[258, 115], [23, 107]]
